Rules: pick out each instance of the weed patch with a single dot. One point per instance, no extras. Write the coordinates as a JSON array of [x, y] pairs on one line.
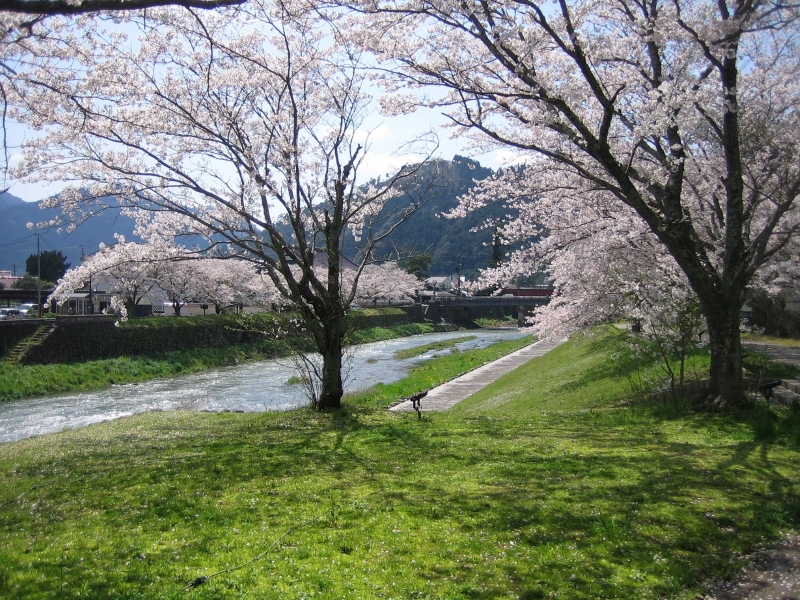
[[424, 349]]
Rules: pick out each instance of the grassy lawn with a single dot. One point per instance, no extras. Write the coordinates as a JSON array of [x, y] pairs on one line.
[[443, 345], [567, 500], [589, 371]]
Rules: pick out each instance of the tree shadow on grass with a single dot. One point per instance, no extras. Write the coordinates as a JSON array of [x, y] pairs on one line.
[[578, 506], [641, 515]]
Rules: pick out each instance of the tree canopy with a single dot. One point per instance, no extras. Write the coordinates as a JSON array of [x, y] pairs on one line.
[[236, 129], [53, 265], [662, 132], [677, 116], [69, 7]]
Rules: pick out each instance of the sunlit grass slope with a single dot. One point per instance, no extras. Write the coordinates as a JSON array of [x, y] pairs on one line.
[[594, 369], [638, 502]]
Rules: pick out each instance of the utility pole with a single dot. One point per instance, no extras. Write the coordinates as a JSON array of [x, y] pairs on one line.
[[39, 273], [458, 274], [91, 296]]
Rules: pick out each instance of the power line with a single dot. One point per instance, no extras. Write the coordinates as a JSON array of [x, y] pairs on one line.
[[19, 241]]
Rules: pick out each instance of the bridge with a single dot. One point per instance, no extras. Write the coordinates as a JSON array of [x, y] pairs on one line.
[[453, 309], [493, 301]]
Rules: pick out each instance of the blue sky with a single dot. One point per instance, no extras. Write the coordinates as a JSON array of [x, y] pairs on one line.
[[386, 136]]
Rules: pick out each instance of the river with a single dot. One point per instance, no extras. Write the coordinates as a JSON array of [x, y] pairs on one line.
[[256, 386]]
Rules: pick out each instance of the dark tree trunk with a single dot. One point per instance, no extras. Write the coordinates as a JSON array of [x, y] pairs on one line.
[[330, 395], [332, 388], [726, 383]]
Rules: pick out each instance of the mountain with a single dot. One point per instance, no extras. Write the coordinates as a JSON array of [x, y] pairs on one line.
[[17, 241], [456, 245], [7, 199]]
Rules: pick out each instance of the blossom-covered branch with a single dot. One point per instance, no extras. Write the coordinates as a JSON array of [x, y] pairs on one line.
[[76, 7], [234, 132], [684, 112]]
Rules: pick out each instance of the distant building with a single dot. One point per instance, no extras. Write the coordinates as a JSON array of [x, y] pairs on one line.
[[444, 282], [7, 280]]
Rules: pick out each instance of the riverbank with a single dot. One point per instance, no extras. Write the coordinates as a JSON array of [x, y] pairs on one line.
[[562, 497], [21, 381]]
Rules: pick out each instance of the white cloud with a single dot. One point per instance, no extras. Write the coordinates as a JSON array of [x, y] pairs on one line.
[[376, 164], [501, 157], [380, 133]]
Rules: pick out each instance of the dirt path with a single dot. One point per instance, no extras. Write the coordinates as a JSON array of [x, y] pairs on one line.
[[771, 574], [774, 572]]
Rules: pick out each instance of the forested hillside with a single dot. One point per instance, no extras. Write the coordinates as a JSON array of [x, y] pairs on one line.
[[448, 241], [17, 242]]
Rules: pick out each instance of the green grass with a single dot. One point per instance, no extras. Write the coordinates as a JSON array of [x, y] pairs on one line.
[[487, 322], [623, 504], [378, 334], [432, 373], [443, 345], [591, 370], [768, 339], [760, 365], [586, 501], [19, 381]]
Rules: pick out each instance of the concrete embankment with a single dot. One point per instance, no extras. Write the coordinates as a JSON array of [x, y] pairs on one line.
[[451, 393]]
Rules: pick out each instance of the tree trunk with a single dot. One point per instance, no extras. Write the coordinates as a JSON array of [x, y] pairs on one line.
[[332, 388], [330, 395], [726, 384]]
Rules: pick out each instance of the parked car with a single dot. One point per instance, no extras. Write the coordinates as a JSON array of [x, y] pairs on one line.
[[10, 313], [32, 310]]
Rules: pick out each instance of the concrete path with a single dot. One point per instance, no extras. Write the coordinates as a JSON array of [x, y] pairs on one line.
[[454, 391], [786, 354]]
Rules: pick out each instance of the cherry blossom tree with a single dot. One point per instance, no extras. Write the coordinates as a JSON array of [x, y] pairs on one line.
[[133, 271], [178, 280], [386, 284], [683, 111], [225, 283], [27, 25], [239, 128], [77, 7], [126, 270], [612, 268]]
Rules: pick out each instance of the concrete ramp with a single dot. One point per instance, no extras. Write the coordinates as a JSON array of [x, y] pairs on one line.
[[451, 393]]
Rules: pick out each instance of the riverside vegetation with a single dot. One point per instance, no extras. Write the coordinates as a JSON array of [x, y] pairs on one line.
[[540, 486], [19, 381]]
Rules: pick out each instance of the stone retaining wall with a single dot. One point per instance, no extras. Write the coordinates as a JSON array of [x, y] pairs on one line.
[[91, 337], [13, 331]]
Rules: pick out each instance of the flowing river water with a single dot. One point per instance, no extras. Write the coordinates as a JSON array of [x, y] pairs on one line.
[[257, 386]]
